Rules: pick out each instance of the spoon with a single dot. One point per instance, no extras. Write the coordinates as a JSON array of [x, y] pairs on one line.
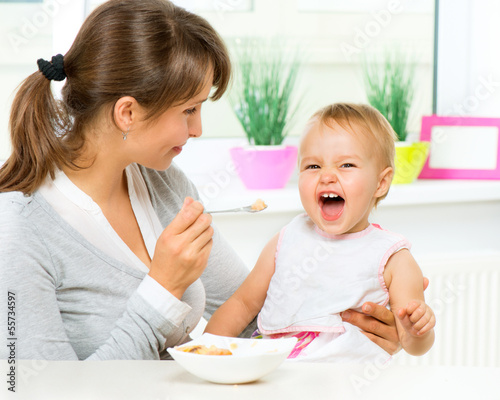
[[259, 205]]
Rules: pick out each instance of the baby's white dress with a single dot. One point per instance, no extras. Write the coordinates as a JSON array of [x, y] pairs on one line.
[[317, 277]]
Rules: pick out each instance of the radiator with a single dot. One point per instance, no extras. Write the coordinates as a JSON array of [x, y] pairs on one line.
[[465, 296]]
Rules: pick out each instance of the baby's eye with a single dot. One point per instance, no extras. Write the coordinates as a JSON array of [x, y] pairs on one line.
[[347, 165], [190, 111], [312, 166]]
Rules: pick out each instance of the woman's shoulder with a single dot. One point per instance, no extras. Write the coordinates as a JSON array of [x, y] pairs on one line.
[[21, 217], [19, 223], [13, 205]]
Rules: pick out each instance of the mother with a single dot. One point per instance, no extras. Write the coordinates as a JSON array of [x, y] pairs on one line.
[[106, 251]]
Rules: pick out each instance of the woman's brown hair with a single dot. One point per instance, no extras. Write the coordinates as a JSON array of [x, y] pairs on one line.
[[151, 50]]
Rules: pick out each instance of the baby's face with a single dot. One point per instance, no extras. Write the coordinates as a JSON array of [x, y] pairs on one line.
[[338, 179]]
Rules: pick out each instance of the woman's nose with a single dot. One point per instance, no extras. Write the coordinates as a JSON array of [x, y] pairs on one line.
[[194, 127]]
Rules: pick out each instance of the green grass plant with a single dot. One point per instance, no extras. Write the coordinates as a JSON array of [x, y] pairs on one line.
[[262, 97], [390, 89]]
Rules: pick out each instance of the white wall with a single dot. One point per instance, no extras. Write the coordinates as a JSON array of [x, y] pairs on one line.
[[26, 32], [333, 43]]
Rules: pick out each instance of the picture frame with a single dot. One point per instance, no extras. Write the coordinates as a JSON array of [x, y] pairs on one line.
[[461, 147]]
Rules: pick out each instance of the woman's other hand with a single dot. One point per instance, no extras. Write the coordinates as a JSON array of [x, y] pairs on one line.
[[183, 248], [378, 324]]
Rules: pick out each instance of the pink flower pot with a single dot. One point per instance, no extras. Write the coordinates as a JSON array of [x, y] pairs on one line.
[[264, 167]]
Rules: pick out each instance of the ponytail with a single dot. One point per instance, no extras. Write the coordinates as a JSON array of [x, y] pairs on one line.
[[36, 122]]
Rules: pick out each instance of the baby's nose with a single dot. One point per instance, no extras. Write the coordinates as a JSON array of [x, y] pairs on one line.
[[328, 176]]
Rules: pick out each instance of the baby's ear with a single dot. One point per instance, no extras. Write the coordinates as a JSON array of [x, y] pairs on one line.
[[384, 182]]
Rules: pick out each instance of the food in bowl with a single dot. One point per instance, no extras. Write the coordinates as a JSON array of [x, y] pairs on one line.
[[251, 359], [205, 350]]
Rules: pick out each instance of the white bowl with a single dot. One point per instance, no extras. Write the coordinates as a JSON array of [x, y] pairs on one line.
[[251, 358]]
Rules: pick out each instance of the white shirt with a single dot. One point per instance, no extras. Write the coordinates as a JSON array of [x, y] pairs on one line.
[[84, 214]]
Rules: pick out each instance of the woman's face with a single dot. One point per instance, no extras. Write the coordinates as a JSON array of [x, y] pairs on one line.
[[338, 179], [156, 144]]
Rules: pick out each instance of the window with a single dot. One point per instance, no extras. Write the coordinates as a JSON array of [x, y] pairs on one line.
[[334, 39]]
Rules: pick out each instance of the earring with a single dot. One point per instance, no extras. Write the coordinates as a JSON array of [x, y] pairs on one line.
[[124, 134]]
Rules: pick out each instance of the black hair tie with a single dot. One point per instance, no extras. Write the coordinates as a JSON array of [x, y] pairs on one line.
[[52, 70]]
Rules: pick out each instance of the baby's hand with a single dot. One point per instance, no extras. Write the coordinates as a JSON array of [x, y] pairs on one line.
[[417, 317]]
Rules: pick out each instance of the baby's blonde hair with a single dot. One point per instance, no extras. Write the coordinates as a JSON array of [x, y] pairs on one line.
[[362, 120]]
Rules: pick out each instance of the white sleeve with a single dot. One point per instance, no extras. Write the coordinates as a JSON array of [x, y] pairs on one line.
[[163, 301]]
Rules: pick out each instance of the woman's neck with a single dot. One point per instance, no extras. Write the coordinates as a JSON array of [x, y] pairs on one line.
[[102, 175]]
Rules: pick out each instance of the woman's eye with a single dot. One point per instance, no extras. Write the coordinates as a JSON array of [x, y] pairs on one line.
[[190, 111]]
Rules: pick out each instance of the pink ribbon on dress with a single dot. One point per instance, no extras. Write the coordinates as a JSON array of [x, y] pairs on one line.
[[304, 340]]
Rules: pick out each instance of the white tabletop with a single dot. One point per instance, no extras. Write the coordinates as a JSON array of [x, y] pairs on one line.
[[166, 380]]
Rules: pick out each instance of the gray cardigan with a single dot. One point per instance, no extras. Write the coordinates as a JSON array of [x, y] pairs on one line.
[[72, 301]]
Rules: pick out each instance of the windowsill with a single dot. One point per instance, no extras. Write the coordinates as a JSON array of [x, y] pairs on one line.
[[220, 187], [443, 192], [420, 192]]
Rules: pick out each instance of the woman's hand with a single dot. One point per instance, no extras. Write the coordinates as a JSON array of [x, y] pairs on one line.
[[378, 324], [182, 249]]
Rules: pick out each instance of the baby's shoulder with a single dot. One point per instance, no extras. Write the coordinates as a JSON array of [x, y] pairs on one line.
[[383, 234]]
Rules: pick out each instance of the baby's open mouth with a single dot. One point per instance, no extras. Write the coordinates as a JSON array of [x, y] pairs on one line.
[[331, 205]]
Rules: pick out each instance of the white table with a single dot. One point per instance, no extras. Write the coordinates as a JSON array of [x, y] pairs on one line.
[[166, 380]]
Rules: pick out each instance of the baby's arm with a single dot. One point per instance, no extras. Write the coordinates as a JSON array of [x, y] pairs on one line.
[[415, 320], [240, 309]]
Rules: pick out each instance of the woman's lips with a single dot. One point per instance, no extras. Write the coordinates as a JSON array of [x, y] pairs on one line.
[[177, 149]]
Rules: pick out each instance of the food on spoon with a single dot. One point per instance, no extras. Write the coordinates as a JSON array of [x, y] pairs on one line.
[[259, 205], [202, 349]]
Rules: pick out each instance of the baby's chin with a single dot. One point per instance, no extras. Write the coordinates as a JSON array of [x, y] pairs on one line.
[[326, 227]]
